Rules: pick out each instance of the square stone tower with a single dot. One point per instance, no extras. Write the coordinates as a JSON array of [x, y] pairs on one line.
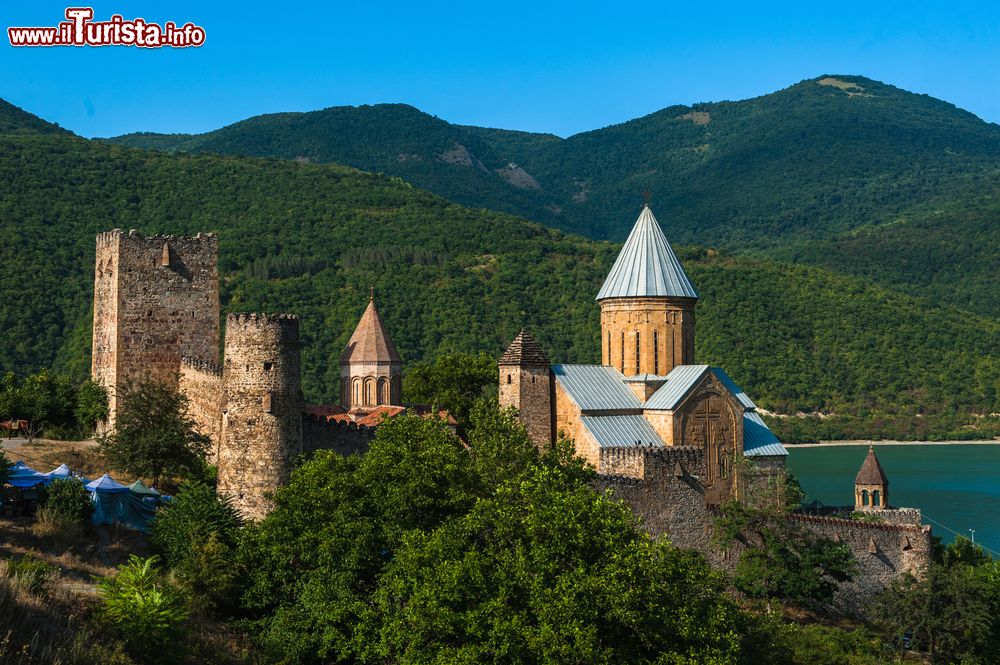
[[156, 300]]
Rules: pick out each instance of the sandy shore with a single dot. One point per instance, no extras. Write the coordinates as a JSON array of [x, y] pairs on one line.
[[893, 443]]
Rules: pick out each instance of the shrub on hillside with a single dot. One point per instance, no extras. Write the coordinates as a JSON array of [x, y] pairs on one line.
[[197, 533], [144, 611], [68, 500]]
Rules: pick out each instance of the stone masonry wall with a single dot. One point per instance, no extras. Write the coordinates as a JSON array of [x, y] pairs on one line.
[[262, 427], [318, 433], [529, 390], [156, 300], [201, 382], [662, 486], [883, 551]]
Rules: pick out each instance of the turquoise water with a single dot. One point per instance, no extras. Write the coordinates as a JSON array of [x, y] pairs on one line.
[[955, 485]]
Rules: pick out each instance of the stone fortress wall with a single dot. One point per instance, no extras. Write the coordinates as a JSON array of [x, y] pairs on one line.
[[663, 487], [201, 382]]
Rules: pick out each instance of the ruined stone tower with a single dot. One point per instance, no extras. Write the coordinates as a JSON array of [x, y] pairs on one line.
[[647, 306], [156, 300], [871, 485], [370, 369], [526, 385], [262, 422]]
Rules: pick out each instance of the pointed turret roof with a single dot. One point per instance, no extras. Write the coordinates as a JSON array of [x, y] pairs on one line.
[[524, 351], [871, 472], [646, 265], [370, 341]]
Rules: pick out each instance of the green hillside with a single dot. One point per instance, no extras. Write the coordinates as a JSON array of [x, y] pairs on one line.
[[802, 173], [311, 239]]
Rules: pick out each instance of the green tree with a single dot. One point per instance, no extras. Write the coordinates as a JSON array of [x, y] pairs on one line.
[[454, 382], [314, 561], [952, 613], [197, 533], [66, 499], [154, 435], [91, 405], [548, 570]]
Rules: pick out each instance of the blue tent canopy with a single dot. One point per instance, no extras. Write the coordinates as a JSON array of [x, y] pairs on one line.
[[61, 471], [106, 485], [22, 475]]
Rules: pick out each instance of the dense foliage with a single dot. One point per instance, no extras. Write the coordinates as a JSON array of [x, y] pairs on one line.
[[453, 381], [52, 404], [953, 612], [144, 611], [154, 436], [411, 552], [841, 171], [311, 239], [67, 500], [197, 532]]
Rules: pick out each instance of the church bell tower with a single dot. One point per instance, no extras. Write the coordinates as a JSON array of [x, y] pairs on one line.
[[647, 307]]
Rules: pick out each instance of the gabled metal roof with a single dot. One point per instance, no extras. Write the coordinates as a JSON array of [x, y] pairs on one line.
[[646, 266], [621, 431], [679, 381], [738, 392], [596, 388], [758, 440]]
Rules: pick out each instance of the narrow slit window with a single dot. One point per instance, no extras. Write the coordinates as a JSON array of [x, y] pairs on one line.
[[623, 352], [656, 352], [636, 351]]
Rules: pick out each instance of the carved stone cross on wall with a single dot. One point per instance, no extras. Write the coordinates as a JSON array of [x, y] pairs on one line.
[[709, 426]]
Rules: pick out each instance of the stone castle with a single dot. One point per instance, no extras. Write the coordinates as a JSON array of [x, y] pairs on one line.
[[667, 435], [156, 317]]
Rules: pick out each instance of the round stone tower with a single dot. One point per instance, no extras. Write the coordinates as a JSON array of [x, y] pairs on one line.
[[647, 306], [262, 421]]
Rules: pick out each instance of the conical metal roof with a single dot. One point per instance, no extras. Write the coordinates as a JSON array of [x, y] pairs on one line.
[[871, 472], [646, 265], [370, 342]]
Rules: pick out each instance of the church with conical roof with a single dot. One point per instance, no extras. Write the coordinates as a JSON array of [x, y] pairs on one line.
[[648, 392]]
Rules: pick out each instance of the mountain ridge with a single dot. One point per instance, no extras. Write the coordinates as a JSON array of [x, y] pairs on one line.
[[813, 164]]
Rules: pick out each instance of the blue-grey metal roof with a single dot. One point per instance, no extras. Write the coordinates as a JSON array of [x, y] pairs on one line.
[[596, 387], [621, 431], [733, 388], [679, 381], [758, 440], [646, 266], [645, 378]]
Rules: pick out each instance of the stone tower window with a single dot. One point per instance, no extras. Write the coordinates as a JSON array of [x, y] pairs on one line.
[[636, 351], [656, 352], [875, 499], [268, 366], [508, 379], [608, 361], [532, 378], [623, 352], [864, 497]]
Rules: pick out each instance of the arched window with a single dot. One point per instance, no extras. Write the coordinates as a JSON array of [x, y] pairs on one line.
[[656, 352], [864, 497], [383, 390], [357, 393], [508, 379], [875, 498], [608, 361]]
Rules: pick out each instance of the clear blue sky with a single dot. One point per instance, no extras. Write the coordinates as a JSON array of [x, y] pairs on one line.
[[553, 67]]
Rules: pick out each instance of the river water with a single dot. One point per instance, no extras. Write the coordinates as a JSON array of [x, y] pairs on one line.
[[955, 485]]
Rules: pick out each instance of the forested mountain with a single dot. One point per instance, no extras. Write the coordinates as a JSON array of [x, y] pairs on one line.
[[311, 239], [816, 172]]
